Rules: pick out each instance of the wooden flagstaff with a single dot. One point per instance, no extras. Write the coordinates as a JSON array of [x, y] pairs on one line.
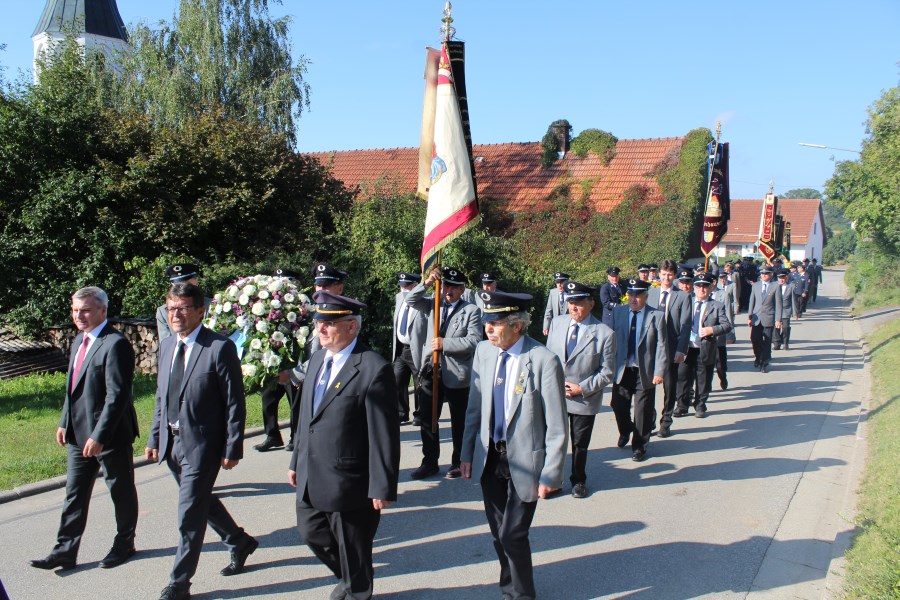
[[435, 354], [712, 166]]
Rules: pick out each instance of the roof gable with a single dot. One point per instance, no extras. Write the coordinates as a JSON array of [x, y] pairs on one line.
[[743, 226], [512, 172]]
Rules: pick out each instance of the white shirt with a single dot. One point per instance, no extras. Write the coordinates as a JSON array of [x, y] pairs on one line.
[[695, 341], [338, 358], [92, 335], [639, 322], [512, 371], [189, 340], [404, 307]]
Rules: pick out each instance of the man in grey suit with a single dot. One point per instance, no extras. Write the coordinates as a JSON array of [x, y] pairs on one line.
[[198, 428], [515, 439], [346, 460], [764, 314], [556, 301], [459, 332], [709, 321], [790, 307], [642, 356], [675, 306], [98, 426], [409, 337], [587, 349]]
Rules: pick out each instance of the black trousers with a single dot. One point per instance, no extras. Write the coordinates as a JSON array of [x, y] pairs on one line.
[[626, 393], [782, 337], [580, 429], [722, 364], [684, 388], [197, 506], [803, 301], [118, 471], [702, 380], [404, 368], [343, 542], [458, 398], [509, 519], [761, 340], [670, 394], [271, 395], [813, 292]]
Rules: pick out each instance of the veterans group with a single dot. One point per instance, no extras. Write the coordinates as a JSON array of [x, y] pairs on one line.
[[517, 407]]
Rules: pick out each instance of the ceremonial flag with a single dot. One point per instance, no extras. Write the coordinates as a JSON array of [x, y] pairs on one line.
[[777, 243], [767, 226], [718, 199], [452, 201], [426, 145]]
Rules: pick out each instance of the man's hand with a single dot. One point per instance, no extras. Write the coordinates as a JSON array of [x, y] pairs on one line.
[[657, 379], [432, 277], [545, 491], [437, 344], [546, 331], [151, 454], [380, 504], [92, 448], [777, 324], [706, 331], [229, 463], [680, 357], [466, 470], [61, 436], [292, 478], [750, 322], [573, 390]]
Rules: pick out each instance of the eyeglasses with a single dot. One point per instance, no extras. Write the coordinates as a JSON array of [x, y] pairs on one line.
[[331, 323], [172, 310]]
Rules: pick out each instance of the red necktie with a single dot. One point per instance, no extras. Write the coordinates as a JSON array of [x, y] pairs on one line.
[[79, 360]]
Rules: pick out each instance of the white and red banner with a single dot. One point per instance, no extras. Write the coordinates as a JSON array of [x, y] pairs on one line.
[[767, 226]]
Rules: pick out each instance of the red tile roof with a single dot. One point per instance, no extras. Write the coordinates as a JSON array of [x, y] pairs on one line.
[[743, 226], [512, 172]]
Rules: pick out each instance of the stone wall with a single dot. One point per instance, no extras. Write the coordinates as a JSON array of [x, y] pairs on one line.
[[140, 332]]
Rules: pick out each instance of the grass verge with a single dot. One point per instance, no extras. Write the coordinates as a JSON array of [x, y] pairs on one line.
[[873, 562], [29, 415]]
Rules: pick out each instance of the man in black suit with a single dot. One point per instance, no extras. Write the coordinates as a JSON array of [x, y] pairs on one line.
[[346, 459], [98, 426], [611, 295], [198, 428]]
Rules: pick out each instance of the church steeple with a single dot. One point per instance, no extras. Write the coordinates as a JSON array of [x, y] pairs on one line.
[[98, 23]]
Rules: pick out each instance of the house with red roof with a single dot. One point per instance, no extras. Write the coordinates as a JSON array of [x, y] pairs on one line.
[[807, 227]]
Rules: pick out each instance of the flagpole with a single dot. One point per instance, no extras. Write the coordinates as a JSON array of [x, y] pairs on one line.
[[712, 166], [435, 355]]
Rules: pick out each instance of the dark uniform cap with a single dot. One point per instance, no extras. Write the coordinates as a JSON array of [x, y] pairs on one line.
[[182, 272], [560, 276], [325, 274], [576, 291], [331, 306], [765, 269], [488, 278], [287, 273], [637, 286], [653, 267], [685, 275], [404, 278], [613, 271], [642, 267], [498, 305], [453, 276], [705, 279], [783, 272], [723, 274]]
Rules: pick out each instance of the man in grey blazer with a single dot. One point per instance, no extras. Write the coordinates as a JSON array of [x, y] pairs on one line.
[[346, 460], [790, 307], [587, 349], [764, 314], [515, 439], [642, 357], [675, 305], [98, 427], [556, 301], [725, 293], [198, 428], [408, 339], [709, 320], [460, 331]]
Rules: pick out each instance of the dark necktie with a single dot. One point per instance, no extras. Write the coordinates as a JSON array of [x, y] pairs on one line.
[[498, 415], [322, 385], [561, 301], [632, 338], [696, 327], [404, 320], [79, 360], [444, 311], [176, 377], [573, 339], [662, 305]]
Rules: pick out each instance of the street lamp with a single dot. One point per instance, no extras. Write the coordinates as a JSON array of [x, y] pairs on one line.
[[821, 147]]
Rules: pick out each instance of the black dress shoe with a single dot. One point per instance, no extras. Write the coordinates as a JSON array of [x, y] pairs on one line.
[[289, 446], [425, 471], [269, 444], [776, 347], [639, 455], [170, 592], [53, 561], [723, 384], [623, 439], [700, 412], [665, 432], [579, 490], [765, 368], [453, 473], [116, 557], [404, 419], [239, 557], [680, 412], [756, 363], [417, 422]]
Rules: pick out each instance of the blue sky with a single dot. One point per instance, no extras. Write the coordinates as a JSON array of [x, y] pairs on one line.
[[774, 72]]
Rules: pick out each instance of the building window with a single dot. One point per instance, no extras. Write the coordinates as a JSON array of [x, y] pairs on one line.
[[815, 226]]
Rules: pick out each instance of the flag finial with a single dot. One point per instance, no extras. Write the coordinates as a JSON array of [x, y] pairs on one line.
[[771, 186], [718, 130], [447, 30]]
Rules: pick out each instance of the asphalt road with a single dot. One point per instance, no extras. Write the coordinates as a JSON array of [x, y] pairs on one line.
[[755, 500]]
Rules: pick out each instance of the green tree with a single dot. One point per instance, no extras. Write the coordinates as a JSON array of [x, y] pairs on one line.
[[802, 193], [868, 189], [216, 55]]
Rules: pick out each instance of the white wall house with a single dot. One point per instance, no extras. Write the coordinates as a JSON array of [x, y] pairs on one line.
[[807, 227]]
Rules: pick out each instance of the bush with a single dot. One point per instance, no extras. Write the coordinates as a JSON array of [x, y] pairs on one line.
[[839, 247]]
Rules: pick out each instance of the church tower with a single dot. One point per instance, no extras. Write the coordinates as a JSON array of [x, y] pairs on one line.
[[99, 26]]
